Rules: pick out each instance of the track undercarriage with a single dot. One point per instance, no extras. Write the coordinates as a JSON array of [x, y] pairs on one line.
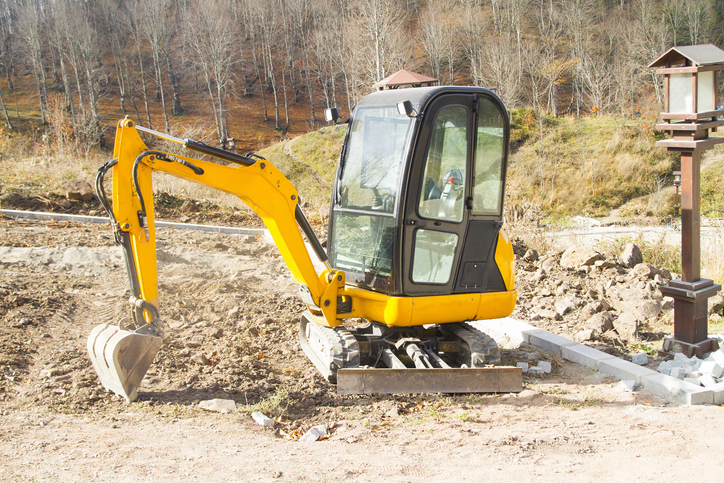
[[451, 358]]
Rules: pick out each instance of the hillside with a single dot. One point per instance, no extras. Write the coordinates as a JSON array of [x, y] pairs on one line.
[[570, 167]]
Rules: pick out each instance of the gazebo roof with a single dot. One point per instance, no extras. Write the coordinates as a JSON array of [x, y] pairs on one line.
[[404, 77], [698, 55]]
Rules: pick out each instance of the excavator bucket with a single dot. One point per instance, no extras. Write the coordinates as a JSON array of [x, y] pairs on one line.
[[121, 357]]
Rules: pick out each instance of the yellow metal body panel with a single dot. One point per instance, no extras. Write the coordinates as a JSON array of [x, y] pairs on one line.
[[505, 260], [265, 189], [439, 309]]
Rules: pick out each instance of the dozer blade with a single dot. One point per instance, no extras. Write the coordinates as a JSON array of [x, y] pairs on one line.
[[121, 357]]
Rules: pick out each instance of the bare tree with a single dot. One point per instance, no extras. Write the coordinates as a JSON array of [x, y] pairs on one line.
[[383, 43], [30, 37], [59, 43], [211, 39], [436, 37], [135, 20], [153, 20], [499, 70]]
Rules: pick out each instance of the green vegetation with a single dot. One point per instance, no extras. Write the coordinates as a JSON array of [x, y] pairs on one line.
[[277, 403], [657, 253], [712, 194], [310, 161], [586, 166]]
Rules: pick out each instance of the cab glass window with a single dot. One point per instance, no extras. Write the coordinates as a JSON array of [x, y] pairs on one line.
[[442, 194], [489, 153]]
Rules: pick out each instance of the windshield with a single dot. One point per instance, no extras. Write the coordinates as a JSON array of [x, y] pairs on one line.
[[374, 156], [363, 225]]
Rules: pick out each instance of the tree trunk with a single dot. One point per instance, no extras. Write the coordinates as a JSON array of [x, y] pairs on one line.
[[143, 83]]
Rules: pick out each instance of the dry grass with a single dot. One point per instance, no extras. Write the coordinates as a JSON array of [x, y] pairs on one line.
[[589, 166], [712, 258]]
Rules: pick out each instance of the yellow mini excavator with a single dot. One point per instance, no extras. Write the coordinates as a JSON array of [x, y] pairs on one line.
[[415, 245]]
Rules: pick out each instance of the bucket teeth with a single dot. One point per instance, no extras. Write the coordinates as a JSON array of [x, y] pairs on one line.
[[122, 357]]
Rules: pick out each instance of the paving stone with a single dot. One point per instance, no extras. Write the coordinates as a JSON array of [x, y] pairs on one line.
[[535, 371], [546, 366], [627, 385], [717, 356], [314, 433], [679, 357], [262, 420], [679, 391], [506, 331], [678, 372], [640, 359], [718, 391], [692, 380], [546, 340], [584, 355], [711, 367], [665, 368], [523, 366], [624, 370], [706, 380], [218, 405]]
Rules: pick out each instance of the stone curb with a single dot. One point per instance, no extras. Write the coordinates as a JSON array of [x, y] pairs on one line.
[[673, 389], [45, 216]]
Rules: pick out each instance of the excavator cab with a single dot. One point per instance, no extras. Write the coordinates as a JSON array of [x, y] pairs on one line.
[[414, 246], [418, 199]]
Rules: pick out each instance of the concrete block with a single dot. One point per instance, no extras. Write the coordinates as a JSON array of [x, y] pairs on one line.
[[664, 368], [218, 405], [706, 380], [679, 357], [262, 420], [711, 367], [535, 371], [523, 366], [507, 331], [694, 363], [718, 391], [717, 356], [547, 341], [624, 370], [678, 372], [584, 355], [627, 386], [640, 359], [676, 390], [314, 433], [546, 366], [692, 380]]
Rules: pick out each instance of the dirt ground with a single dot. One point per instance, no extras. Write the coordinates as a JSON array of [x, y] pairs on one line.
[[231, 323]]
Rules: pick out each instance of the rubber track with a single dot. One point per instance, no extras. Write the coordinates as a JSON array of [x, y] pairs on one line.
[[474, 337], [341, 348]]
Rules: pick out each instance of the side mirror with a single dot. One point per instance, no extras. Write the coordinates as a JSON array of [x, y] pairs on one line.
[[404, 108], [331, 115]]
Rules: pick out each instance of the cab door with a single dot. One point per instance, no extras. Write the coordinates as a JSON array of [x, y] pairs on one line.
[[454, 208], [435, 214]]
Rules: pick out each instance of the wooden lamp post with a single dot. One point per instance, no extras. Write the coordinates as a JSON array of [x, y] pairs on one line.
[[691, 99]]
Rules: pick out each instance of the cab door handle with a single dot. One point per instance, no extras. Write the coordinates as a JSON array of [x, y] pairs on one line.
[[420, 223]]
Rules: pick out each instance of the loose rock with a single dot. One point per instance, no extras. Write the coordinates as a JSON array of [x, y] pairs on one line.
[[262, 420], [314, 433], [224, 406], [631, 255], [580, 256]]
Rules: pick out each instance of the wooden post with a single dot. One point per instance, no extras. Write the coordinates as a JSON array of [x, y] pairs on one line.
[[690, 216], [690, 292]]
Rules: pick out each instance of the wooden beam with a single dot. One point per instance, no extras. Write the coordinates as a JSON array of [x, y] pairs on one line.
[[691, 116], [689, 70]]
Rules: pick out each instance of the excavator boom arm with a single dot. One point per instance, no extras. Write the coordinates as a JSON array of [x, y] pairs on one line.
[[255, 181]]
